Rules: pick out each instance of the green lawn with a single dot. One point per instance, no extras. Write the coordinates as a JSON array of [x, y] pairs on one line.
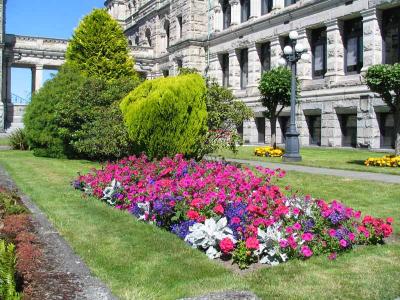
[[4, 141], [139, 261], [346, 159]]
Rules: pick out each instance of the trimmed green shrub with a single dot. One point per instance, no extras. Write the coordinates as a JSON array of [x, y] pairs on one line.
[[7, 272], [99, 48], [41, 118], [9, 203], [167, 116], [18, 140]]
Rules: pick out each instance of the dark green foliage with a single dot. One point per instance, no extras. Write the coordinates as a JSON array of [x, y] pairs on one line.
[[99, 48], [275, 89], [76, 116], [41, 118], [385, 81], [167, 116], [9, 203], [18, 140], [7, 272]]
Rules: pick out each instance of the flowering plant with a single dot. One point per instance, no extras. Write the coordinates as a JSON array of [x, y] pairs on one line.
[[227, 211], [269, 151], [386, 161]]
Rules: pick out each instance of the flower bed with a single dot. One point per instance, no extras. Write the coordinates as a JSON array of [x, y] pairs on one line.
[[269, 151], [386, 161], [228, 211]]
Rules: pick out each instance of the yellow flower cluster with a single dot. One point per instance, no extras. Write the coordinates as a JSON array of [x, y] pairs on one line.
[[386, 161], [269, 151]]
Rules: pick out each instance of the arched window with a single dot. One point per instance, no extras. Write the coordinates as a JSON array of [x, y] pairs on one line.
[[266, 6], [148, 37], [226, 13]]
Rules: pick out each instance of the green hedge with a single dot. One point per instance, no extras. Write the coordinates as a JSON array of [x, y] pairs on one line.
[[167, 116]]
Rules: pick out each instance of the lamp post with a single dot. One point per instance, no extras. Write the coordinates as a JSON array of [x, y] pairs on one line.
[[292, 54]]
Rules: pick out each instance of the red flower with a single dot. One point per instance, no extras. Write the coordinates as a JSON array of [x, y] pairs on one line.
[[252, 243], [226, 245], [219, 210], [389, 220], [192, 215]]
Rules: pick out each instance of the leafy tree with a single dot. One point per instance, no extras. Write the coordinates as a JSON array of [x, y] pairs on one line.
[[385, 81], [275, 89], [167, 116], [99, 48]]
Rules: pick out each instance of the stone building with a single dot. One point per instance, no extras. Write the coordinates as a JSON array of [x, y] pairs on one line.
[[234, 41]]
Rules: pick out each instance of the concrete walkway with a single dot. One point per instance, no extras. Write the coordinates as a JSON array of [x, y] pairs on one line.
[[387, 178]]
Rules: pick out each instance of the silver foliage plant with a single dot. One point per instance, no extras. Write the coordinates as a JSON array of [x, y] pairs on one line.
[[207, 236], [110, 191]]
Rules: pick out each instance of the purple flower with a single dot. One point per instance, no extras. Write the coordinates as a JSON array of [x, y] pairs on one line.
[[182, 229]]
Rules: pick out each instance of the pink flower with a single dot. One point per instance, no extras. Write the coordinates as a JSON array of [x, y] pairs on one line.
[[297, 226], [352, 236], [332, 233], [296, 211], [252, 243], [357, 214], [332, 256], [226, 245], [235, 220], [283, 244], [192, 215], [197, 202], [343, 243], [172, 203], [389, 220], [289, 230], [219, 210], [307, 237], [306, 251]]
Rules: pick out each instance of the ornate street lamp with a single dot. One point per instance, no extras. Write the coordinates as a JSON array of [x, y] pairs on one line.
[[292, 54]]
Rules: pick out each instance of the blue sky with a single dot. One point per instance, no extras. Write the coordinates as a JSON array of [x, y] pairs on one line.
[[46, 18]]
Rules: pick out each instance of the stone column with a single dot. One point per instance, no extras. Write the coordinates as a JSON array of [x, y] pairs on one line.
[[254, 70], [335, 51], [368, 135], [278, 4], [276, 51], [304, 67], [8, 84], [218, 20], [234, 71], [235, 12], [372, 38], [163, 38], [37, 78], [255, 9], [331, 135], [215, 68]]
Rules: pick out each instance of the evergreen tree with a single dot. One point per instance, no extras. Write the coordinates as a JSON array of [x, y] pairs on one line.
[[99, 48]]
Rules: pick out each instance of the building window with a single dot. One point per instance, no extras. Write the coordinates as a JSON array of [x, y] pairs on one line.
[[319, 52], [289, 2], [137, 41], [260, 124], [148, 37], [225, 69], [226, 13], [165, 73], [386, 128], [244, 68], [391, 32], [265, 57], [353, 35], [348, 126], [180, 23], [266, 6], [284, 122], [245, 10], [314, 129], [167, 33], [179, 64]]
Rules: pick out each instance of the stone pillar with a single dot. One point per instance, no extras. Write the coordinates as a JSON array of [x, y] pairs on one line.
[[367, 124], [276, 51], [234, 70], [372, 38], [331, 135], [37, 78], [215, 68], [335, 51], [304, 67], [302, 126], [163, 40], [218, 19], [235, 12], [278, 4], [8, 84], [254, 70], [255, 9]]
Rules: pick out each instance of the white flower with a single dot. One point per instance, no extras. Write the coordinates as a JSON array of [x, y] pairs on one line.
[[269, 250]]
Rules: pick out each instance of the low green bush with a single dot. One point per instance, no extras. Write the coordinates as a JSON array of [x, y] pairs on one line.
[[7, 272], [9, 203], [167, 116], [18, 140]]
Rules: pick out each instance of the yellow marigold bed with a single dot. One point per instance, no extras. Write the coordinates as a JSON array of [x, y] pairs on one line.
[[269, 151], [386, 161]]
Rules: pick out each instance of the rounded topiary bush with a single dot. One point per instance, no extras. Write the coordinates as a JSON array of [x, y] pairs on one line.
[[167, 116]]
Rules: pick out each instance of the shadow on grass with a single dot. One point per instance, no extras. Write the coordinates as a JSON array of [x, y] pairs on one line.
[[357, 162]]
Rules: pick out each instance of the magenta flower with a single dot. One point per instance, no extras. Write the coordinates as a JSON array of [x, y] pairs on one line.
[[306, 251], [343, 243], [307, 236], [297, 226]]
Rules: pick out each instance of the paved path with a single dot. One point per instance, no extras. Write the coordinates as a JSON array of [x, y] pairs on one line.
[[64, 260], [387, 178]]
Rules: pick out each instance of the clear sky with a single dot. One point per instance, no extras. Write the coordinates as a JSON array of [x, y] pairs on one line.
[[45, 18]]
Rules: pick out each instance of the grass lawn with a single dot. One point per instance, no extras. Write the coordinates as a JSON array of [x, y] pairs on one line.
[[346, 159], [3, 141], [139, 261]]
